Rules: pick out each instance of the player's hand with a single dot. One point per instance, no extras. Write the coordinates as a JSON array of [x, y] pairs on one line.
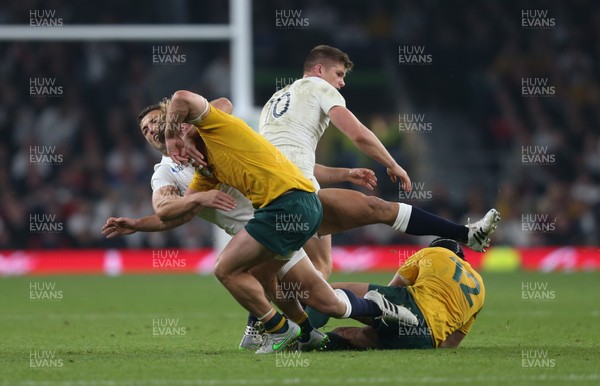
[[120, 226], [191, 149], [215, 199], [362, 177], [397, 172], [176, 150]]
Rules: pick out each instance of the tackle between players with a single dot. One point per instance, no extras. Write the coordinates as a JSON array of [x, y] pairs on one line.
[[243, 159]]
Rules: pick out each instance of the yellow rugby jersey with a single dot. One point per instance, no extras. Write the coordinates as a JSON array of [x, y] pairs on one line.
[[243, 159], [446, 288]]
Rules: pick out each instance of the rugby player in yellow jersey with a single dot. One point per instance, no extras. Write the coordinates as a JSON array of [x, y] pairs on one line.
[[437, 285], [287, 212]]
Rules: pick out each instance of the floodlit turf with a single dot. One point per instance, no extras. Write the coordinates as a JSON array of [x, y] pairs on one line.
[[184, 330]]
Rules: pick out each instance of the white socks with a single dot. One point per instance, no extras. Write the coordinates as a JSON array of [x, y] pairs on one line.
[[403, 218], [343, 297]]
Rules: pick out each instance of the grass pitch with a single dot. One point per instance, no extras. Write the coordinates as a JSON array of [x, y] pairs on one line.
[[184, 330]]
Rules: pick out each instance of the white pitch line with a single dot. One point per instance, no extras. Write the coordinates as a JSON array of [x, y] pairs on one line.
[[121, 315], [299, 380]]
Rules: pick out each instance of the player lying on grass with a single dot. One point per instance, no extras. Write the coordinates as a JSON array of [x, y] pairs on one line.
[[437, 285], [243, 159]]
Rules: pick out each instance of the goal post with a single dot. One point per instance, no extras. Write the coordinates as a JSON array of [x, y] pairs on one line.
[[238, 33]]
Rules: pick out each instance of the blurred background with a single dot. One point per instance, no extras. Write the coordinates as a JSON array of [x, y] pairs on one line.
[[460, 115]]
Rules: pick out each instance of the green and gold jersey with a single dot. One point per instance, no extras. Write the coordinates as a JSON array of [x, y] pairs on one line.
[[243, 159], [446, 288]]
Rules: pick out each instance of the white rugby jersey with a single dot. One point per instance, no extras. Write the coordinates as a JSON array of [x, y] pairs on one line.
[[168, 173], [295, 118]]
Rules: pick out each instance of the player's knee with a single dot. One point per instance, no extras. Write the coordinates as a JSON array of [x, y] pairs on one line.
[[335, 308], [221, 273], [376, 204]]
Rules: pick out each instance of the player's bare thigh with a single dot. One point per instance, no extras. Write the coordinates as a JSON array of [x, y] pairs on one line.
[[241, 254], [345, 209], [319, 253]]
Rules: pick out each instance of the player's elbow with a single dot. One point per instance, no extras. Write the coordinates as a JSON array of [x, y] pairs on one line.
[[223, 104], [183, 96], [361, 136]]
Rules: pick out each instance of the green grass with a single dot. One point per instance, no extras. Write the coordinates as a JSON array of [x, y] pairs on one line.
[[102, 333]]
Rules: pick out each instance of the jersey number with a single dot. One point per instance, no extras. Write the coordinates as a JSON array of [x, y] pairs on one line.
[[467, 291], [279, 106]]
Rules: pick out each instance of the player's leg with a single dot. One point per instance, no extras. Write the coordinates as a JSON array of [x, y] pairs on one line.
[[345, 209], [352, 338], [339, 303], [232, 269], [318, 250]]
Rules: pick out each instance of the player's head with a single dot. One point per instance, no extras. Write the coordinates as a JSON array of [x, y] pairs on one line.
[[450, 244], [329, 64], [152, 121], [149, 121]]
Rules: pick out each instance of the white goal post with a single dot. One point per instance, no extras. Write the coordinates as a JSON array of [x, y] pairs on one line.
[[238, 33]]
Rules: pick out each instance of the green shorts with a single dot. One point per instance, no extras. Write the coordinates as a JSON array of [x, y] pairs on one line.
[[395, 336], [287, 223]]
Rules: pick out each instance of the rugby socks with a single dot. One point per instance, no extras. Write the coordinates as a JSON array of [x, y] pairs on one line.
[[306, 328], [356, 306], [317, 319], [403, 217], [278, 324], [252, 320], [422, 223]]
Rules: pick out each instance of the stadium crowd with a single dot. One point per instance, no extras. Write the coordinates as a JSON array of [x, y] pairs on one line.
[[73, 154]]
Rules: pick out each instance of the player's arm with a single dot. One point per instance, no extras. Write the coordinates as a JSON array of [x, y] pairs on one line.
[[185, 106], [399, 281], [168, 205], [368, 143], [122, 226], [223, 104], [409, 271], [453, 340], [358, 176]]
